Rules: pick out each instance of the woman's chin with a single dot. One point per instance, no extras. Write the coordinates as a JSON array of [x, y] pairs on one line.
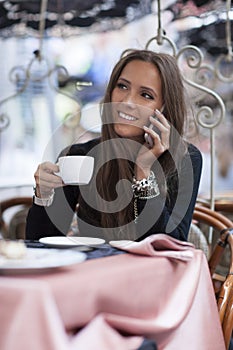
[[131, 132]]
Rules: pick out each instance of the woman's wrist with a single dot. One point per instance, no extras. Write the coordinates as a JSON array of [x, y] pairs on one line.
[[142, 173], [42, 194], [43, 199]]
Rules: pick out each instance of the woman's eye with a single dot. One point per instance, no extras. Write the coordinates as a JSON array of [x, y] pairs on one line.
[[148, 96], [121, 86]]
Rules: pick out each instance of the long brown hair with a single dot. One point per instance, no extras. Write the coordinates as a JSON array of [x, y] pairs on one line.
[[120, 167]]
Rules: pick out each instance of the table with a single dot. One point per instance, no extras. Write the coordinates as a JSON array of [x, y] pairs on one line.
[[111, 303]]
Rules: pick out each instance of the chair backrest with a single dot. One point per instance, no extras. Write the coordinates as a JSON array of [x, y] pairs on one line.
[[197, 237], [15, 228], [223, 286]]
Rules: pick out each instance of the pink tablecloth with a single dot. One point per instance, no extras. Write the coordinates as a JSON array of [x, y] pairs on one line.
[[169, 300]]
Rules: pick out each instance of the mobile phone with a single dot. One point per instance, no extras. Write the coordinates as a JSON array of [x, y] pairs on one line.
[[147, 137]]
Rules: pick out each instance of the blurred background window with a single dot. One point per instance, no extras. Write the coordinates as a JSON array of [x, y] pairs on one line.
[[43, 57]]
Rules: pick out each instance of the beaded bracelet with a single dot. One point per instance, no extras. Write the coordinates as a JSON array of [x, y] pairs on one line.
[[146, 188]]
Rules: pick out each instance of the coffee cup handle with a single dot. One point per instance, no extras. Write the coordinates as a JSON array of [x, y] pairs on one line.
[[57, 172]]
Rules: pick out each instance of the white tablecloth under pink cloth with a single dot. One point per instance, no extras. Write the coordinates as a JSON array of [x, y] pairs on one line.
[[111, 303]]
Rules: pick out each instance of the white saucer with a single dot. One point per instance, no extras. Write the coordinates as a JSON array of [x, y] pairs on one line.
[[64, 242]]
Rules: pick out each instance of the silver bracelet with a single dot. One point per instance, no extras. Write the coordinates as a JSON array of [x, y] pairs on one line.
[[146, 188]]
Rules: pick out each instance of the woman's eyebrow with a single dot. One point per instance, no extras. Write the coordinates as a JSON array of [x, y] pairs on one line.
[[149, 89], [127, 81]]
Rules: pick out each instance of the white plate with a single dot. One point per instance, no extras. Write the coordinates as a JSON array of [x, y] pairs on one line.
[[64, 242], [40, 260], [121, 244]]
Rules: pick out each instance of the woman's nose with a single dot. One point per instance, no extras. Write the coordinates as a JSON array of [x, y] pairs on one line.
[[130, 98]]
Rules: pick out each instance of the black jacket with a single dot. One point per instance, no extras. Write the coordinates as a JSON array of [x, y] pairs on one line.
[[171, 215]]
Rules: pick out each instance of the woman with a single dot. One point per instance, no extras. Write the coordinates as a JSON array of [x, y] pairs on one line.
[[146, 179]]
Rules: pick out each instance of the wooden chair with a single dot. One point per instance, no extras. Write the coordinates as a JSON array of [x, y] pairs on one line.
[[223, 285], [15, 228], [223, 205]]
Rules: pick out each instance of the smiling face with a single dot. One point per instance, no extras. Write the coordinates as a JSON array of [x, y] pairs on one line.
[[138, 92]]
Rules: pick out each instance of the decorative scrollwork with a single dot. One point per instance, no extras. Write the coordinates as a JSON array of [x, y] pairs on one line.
[[18, 74], [205, 114], [227, 63], [160, 40], [193, 56], [61, 74], [207, 118], [38, 70], [205, 75], [4, 121]]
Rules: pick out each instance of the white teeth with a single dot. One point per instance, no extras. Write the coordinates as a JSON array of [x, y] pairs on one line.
[[126, 116]]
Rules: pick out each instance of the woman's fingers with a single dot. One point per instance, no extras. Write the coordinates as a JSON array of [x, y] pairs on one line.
[[159, 131], [161, 123], [45, 177]]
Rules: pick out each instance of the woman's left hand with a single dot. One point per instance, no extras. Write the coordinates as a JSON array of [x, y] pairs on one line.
[[161, 142]]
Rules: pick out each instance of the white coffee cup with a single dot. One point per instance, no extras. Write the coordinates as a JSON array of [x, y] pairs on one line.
[[76, 170]]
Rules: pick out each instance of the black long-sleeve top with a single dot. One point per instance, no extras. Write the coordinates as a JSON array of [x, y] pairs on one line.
[[171, 215]]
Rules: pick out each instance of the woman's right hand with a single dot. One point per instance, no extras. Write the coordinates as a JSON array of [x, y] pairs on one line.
[[46, 179]]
